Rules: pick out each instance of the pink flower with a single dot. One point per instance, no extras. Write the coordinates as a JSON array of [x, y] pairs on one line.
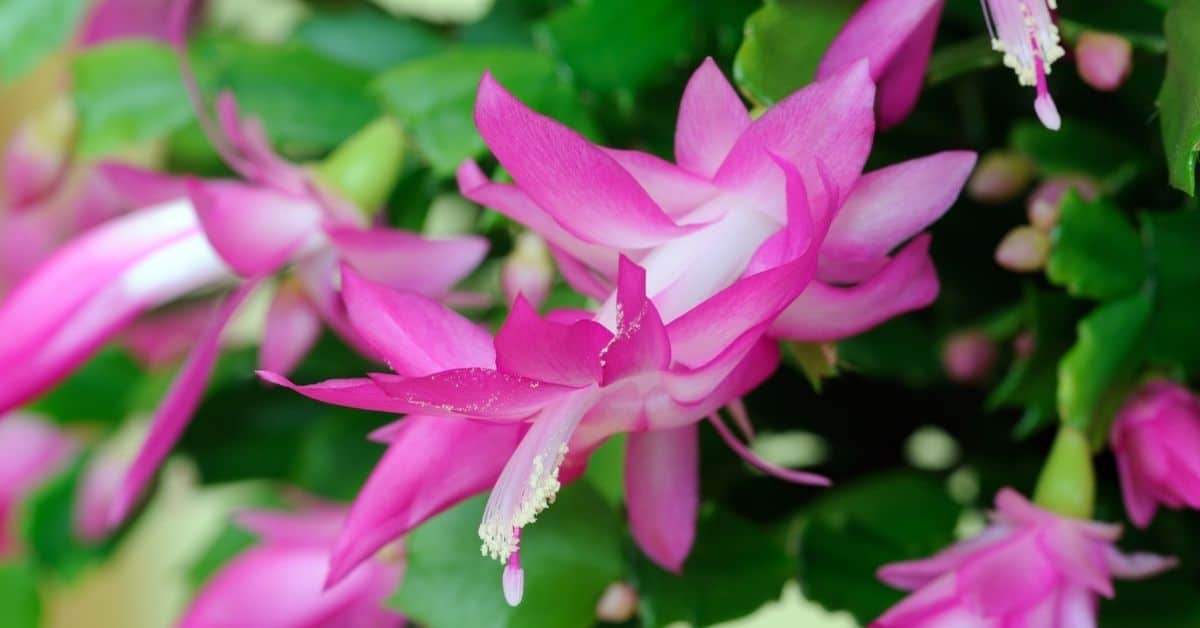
[[897, 37], [279, 582], [1030, 567], [31, 450], [1156, 439], [1104, 60], [696, 265]]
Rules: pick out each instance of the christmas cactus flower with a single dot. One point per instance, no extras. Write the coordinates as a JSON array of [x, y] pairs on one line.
[[1030, 567], [1156, 438]]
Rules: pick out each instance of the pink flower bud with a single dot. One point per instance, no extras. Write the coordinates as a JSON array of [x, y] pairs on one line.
[[1045, 204], [1024, 250], [1156, 439], [1000, 177], [1030, 567], [968, 356], [31, 450], [528, 270], [1104, 60], [618, 604], [1024, 344]]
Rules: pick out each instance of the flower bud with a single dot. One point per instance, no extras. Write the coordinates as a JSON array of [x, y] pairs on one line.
[[528, 270], [618, 604], [1024, 250], [37, 153], [968, 356], [1024, 344], [1156, 440], [1104, 60], [365, 168], [1000, 177], [1045, 204]]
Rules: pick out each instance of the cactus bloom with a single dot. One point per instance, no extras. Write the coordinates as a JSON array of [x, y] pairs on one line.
[[1156, 440]]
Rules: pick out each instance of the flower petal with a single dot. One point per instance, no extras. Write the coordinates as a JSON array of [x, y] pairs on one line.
[[406, 261], [676, 190], [361, 393], [530, 346], [474, 393], [662, 492], [160, 338], [1137, 565], [641, 342], [31, 450], [291, 330], [584, 189], [711, 119]]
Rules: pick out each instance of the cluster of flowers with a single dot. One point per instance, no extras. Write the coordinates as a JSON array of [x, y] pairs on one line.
[[762, 230]]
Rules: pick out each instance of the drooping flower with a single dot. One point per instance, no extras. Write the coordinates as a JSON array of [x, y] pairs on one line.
[[31, 450], [1029, 567], [897, 37], [1156, 440], [696, 267], [279, 583]]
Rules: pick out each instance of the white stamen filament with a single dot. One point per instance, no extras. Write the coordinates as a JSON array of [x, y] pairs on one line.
[[1025, 34]]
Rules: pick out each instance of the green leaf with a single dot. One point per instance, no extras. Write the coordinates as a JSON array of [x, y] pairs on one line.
[[784, 43], [1180, 93], [22, 608], [903, 348], [570, 555], [606, 470], [960, 58], [1171, 241], [127, 92], [1096, 252], [434, 96], [101, 390], [865, 524], [367, 38], [733, 570], [614, 44], [47, 525], [31, 29], [1092, 374], [1078, 147]]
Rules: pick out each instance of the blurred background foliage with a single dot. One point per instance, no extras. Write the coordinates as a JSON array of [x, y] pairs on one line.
[[914, 456]]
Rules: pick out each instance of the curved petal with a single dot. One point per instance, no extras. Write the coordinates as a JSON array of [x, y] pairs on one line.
[[31, 450], [1137, 565], [254, 228], [161, 337], [291, 330], [824, 313], [676, 190], [584, 189], [431, 464], [142, 187], [579, 277], [473, 393], [120, 19], [529, 346], [896, 37], [641, 342], [887, 207], [361, 393], [711, 119], [662, 492], [176, 408], [406, 261], [416, 335]]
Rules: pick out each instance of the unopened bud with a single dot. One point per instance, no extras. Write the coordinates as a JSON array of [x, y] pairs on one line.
[[968, 356], [38, 153], [365, 168], [1024, 344], [1104, 60], [528, 270], [1045, 204], [618, 604], [450, 215], [1000, 177], [1024, 250]]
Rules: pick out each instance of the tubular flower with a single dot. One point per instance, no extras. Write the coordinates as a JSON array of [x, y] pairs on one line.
[[1030, 567], [696, 266], [278, 583], [1155, 439], [196, 235], [897, 37]]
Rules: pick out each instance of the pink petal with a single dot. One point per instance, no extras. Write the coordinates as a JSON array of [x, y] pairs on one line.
[[361, 393], [711, 119], [176, 409], [99, 486], [315, 525], [676, 190], [1140, 503], [416, 335], [529, 346], [896, 36], [662, 492], [751, 458], [831, 120], [476, 393], [31, 450], [825, 313], [914, 574], [641, 342], [111, 20], [160, 338], [320, 274], [292, 328], [142, 187], [1080, 558], [431, 464], [936, 604], [580, 277], [584, 189], [1138, 565], [255, 229], [886, 208], [406, 261]]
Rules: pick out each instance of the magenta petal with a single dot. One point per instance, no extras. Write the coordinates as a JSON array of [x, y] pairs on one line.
[[406, 261], [662, 492], [431, 464], [141, 187], [641, 342], [317, 524], [1138, 565], [476, 393], [292, 328], [825, 313], [584, 189], [255, 229], [676, 190], [886, 208], [896, 36], [111, 20], [160, 338], [361, 393], [580, 277], [529, 346], [711, 119], [176, 410], [31, 450], [416, 335]]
